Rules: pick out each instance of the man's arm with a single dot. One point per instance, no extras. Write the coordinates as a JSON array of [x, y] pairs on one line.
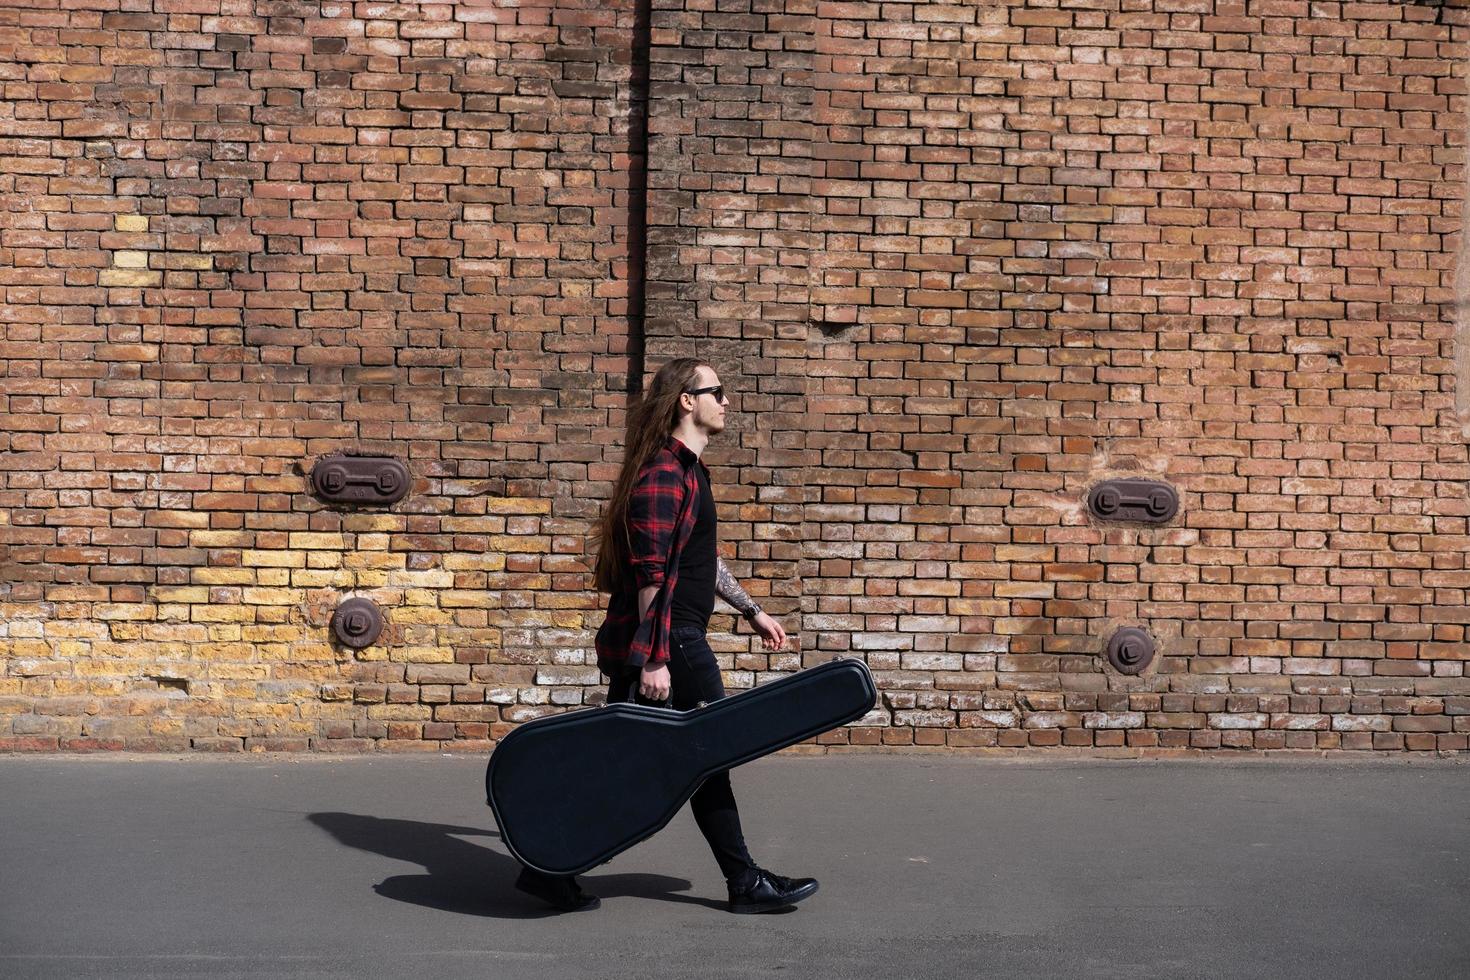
[[653, 512], [645, 600], [728, 589], [773, 637]]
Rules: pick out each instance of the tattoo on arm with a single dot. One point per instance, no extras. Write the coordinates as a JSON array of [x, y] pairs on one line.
[[729, 589]]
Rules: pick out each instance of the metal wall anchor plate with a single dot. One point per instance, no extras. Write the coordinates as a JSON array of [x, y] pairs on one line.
[[357, 623], [1130, 650], [342, 479], [1148, 501]]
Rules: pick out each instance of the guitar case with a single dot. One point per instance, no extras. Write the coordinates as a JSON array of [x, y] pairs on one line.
[[570, 791]]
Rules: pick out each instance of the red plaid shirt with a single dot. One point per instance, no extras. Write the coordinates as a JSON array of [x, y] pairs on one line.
[[661, 514]]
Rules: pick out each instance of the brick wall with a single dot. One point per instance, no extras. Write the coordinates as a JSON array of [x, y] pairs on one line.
[[959, 262]]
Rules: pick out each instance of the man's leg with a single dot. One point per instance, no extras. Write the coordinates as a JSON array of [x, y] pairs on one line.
[[560, 891], [752, 889], [694, 678], [563, 891]]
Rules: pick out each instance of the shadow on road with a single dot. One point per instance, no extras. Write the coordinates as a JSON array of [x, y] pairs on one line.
[[468, 878]]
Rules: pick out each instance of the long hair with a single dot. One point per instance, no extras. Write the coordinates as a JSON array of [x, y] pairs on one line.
[[650, 421]]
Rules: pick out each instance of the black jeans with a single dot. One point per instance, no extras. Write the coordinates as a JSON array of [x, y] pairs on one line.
[[694, 677]]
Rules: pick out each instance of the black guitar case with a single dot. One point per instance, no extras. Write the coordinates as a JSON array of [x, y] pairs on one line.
[[572, 790]]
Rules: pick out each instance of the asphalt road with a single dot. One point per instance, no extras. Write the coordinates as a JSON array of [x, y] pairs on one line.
[[930, 867]]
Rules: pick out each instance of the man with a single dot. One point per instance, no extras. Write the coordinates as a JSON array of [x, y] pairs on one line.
[[657, 556]]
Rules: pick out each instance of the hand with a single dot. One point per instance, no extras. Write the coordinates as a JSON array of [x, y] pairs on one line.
[[653, 682], [773, 637]]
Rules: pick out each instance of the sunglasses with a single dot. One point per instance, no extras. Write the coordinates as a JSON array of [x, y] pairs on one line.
[[717, 390]]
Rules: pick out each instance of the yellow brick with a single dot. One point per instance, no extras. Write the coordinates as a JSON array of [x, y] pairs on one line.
[[369, 559], [123, 610], [273, 577], [273, 597], [431, 578], [372, 542], [131, 259], [367, 579], [130, 222], [275, 651], [419, 633], [418, 614], [519, 581], [126, 632], [179, 593], [489, 561], [223, 576], [268, 710], [71, 649], [419, 647], [561, 600], [174, 612], [230, 673], [138, 705], [313, 539], [173, 638], [196, 520], [519, 544], [279, 635], [459, 524], [323, 579], [220, 539], [39, 667], [457, 599], [373, 522], [324, 559], [192, 261], [977, 607], [108, 668], [401, 712], [1023, 552], [81, 629], [517, 505], [223, 614], [129, 277]]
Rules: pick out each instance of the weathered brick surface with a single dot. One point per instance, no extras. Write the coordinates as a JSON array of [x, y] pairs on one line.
[[958, 262]]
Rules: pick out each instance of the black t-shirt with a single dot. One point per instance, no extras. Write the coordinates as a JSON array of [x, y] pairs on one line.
[[694, 593]]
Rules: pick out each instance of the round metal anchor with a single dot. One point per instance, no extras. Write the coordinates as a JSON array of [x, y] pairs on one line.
[[357, 623], [1130, 650]]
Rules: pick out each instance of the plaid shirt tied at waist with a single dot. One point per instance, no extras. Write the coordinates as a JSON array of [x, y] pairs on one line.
[[661, 514]]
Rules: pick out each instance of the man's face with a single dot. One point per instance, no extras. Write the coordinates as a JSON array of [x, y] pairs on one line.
[[709, 411]]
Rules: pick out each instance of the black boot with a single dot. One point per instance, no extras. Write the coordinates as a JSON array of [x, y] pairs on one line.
[[768, 892], [559, 891]]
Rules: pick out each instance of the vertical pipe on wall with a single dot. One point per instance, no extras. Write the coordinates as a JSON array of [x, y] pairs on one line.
[[1462, 291], [638, 108]]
